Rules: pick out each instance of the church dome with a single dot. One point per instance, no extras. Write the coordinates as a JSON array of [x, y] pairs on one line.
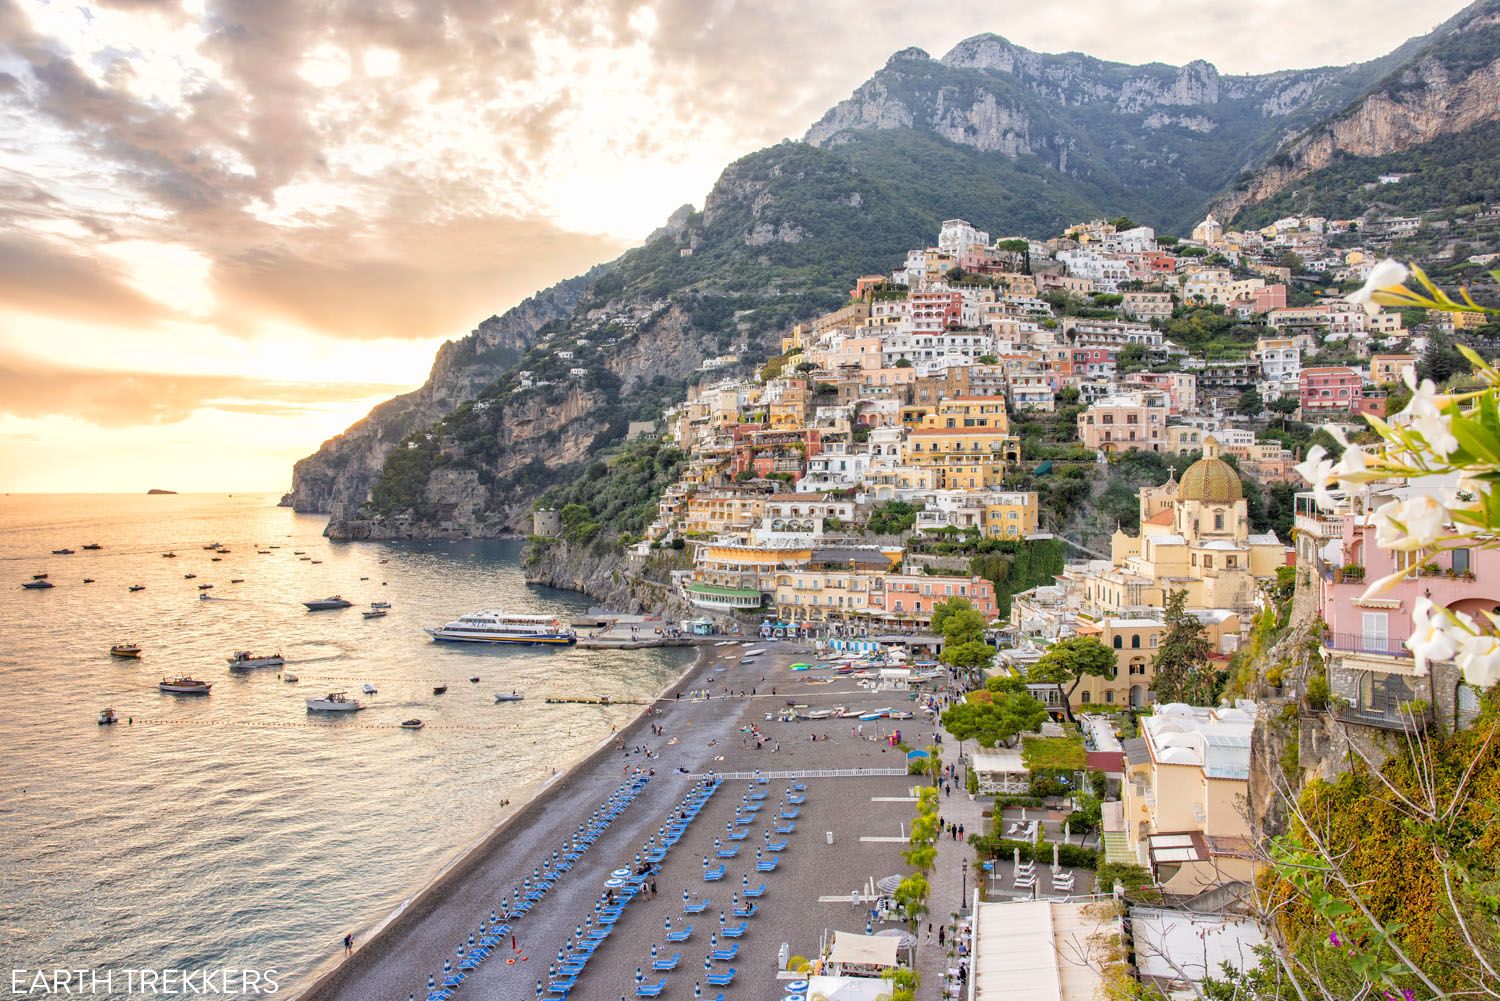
[[1211, 479]]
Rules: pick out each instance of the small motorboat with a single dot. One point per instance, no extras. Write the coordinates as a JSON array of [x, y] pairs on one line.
[[439, 689], [263, 552], [369, 689], [205, 587], [205, 597], [189, 576], [129, 650], [138, 587], [378, 604], [364, 578], [474, 680], [38, 576], [169, 556], [211, 546], [62, 552], [375, 613], [216, 559], [273, 547], [315, 562], [247, 659], [298, 552], [289, 678], [184, 686], [509, 696], [92, 546], [88, 580], [327, 604], [37, 585], [236, 580], [411, 724], [334, 702], [107, 716]]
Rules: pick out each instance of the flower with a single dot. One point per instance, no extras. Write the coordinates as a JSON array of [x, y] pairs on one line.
[[1388, 275], [1479, 659], [1317, 470], [1424, 415], [1415, 523], [1333, 938], [1351, 463], [1431, 638]]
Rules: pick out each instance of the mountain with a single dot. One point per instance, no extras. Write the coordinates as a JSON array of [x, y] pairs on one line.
[[1441, 93], [1014, 141]]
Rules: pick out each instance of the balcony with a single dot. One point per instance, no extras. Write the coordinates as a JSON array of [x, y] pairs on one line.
[[1387, 719], [1385, 646]]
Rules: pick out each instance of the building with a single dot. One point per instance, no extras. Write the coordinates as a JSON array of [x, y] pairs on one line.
[[1147, 305], [1042, 950], [1129, 420], [902, 599], [1386, 370], [1329, 390], [1280, 358], [1187, 778], [1011, 514]]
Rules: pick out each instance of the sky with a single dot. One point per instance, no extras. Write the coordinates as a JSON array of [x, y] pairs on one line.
[[228, 229]]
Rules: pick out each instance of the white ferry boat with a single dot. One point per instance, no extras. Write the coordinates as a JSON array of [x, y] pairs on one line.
[[334, 702], [503, 627], [247, 659]]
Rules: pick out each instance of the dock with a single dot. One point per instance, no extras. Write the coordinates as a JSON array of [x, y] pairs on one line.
[[591, 700]]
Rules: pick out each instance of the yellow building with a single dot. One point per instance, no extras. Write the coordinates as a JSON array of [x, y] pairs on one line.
[[969, 412], [1011, 515], [1187, 782], [714, 511], [728, 577], [962, 459], [1195, 537]]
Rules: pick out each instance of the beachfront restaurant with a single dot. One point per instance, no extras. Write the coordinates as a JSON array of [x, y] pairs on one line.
[[856, 955], [1000, 771]]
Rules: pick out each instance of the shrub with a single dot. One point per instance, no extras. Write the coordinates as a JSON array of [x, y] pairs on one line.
[[1132, 877], [1073, 856], [1001, 802], [1318, 692]]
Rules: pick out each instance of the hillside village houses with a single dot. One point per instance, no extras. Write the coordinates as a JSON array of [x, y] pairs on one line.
[[893, 415]]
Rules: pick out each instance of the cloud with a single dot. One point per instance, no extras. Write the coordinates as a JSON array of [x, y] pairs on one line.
[[40, 276], [35, 389]]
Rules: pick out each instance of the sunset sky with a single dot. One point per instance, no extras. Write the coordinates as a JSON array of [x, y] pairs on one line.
[[227, 229]]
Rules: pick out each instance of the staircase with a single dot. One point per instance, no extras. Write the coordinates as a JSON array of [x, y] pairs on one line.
[[1117, 849]]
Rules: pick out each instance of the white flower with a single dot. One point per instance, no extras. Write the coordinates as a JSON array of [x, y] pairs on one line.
[[1351, 463], [1317, 470], [1430, 639], [1387, 274], [1479, 659], [1415, 523]]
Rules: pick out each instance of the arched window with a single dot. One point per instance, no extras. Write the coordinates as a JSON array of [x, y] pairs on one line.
[[1135, 641], [1218, 520], [1119, 642]]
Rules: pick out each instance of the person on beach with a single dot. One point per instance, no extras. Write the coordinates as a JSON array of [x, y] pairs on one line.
[[348, 943]]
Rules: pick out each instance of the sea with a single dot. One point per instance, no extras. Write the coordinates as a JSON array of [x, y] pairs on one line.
[[237, 830]]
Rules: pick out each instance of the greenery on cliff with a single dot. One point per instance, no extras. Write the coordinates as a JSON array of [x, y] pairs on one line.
[[619, 491]]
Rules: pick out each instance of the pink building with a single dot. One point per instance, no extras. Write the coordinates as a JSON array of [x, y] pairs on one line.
[[935, 312], [1368, 665], [910, 597], [1329, 391], [1267, 298]]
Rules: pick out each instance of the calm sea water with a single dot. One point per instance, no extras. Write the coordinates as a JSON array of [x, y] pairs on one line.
[[236, 830]]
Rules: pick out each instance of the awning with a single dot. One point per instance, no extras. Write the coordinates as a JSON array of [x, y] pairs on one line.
[[867, 950]]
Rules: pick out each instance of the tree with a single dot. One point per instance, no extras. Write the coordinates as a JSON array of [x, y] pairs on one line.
[[1068, 662], [1132, 358], [1250, 403], [1000, 720], [903, 363], [1123, 222], [1181, 664], [1441, 361], [957, 621], [1292, 261], [971, 655], [1284, 407]]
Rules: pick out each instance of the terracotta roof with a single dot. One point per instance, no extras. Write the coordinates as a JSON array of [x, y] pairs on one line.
[[1106, 761], [1163, 517]]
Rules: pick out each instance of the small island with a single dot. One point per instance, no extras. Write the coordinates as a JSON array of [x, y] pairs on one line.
[[154, 491]]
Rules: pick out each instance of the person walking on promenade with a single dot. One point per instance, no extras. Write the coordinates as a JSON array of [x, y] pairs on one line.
[[960, 832]]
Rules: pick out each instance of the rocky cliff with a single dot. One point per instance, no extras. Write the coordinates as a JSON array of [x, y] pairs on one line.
[[337, 478], [1449, 86]]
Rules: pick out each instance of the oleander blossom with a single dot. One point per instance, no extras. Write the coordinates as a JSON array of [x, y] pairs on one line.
[[1431, 636], [1387, 276], [1479, 659], [1416, 523], [1424, 415], [1317, 470]]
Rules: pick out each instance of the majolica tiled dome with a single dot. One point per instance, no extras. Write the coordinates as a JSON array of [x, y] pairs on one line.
[[1211, 479]]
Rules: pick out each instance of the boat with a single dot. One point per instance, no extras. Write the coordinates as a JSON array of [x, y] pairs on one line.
[[875, 714], [138, 587], [289, 678], [369, 689], [184, 686], [298, 552], [88, 580], [211, 546], [216, 559], [262, 552], [92, 546], [327, 604], [189, 576], [236, 580], [411, 724], [503, 627], [334, 702], [364, 578], [512, 696], [169, 556], [130, 650], [205, 587], [375, 613], [439, 689], [317, 561], [474, 679], [247, 659], [62, 552], [107, 716], [38, 576], [37, 585], [378, 604]]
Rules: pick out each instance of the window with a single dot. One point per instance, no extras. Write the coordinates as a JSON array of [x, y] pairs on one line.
[[1086, 697], [1119, 642], [1460, 561], [1218, 520], [1109, 697], [1135, 642]]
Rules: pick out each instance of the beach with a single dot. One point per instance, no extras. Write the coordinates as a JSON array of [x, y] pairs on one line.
[[809, 894]]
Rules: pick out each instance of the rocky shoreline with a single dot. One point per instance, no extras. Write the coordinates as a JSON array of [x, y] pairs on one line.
[[616, 579]]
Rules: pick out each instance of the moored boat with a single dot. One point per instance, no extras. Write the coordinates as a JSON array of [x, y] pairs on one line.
[[62, 552], [128, 650], [138, 587], [375, 613], [327, 604], [107, 716], [289, 678], [334, 702], [439, 689], [37, 585], [184, 686], [511, 696], [92, 546], [411, 724], [247, 659], [169, 556], [369, 689], [504, 627]]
